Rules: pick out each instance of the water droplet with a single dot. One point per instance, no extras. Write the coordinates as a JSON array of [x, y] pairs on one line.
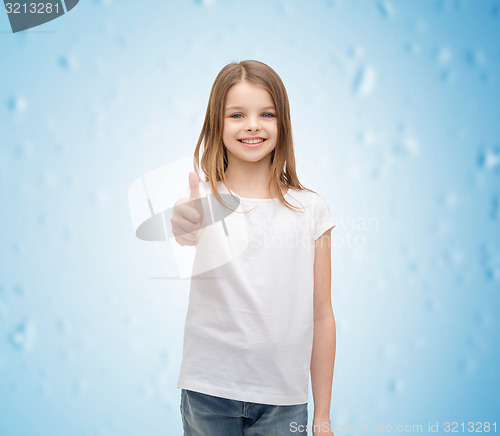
[[418, 343], [12, 386], [395, 386], [44, 388], [443, 55], [485, 76], [207, 3], [413, 266], [132, 321], [489, 158], [58, 149], [484, 319], [386, 9], [367, 138], [495, 10], [17, 104], [474, 57], [18, 289], [24, 335], [66, 234], [447, 76], [448, 199], [356, 52], [420, 26], [146, 389], [389, 351], [24, 150], [447, 5], [430, 305], [102, 197], [68, 62], [49, 179], [80, 387], [479, 318], [494, 207], [122, 41], [412, 47], [164, 356], [454, 257], [490, 263], [62, 326], [73, 181], [41, 219], [467, 365], [407, 146], [364, 81], [66, 355]]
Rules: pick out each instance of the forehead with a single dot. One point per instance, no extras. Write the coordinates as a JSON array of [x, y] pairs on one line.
[[244, 94]]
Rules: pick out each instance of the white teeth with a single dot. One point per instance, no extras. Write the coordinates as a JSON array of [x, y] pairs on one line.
[[251, 141]]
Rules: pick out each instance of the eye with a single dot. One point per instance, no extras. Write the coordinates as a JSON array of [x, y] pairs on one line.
[[270, 115]]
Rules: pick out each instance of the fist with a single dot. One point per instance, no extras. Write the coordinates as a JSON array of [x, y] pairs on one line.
[[187, 217]]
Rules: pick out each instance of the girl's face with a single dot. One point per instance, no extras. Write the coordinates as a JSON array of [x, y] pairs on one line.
[[249, 113]]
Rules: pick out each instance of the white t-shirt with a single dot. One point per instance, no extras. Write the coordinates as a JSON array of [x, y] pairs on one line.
[[249, 327]]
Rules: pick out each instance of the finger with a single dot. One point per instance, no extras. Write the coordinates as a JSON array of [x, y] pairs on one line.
[[194, 185], [184, 227], [195, 197], [181, 241], [191, 212], [188, 238]]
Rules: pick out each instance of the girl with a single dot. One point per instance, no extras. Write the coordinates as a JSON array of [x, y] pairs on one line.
[[258, 324]]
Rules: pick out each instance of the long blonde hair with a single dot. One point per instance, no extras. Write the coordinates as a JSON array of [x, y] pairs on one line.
[[214, 161]]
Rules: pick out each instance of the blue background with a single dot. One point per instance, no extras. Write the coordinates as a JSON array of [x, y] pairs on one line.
[[395, 112]]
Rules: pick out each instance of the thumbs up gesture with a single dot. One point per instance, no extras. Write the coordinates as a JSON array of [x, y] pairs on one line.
[[187, 217]]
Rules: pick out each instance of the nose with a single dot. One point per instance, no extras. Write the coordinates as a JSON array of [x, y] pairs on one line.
[[252, 124]]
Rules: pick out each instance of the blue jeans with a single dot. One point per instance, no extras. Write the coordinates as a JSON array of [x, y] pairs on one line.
[[206, 415]]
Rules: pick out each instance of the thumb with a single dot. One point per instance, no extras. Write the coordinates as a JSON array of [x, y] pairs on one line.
[[194, 186], [195, 198]]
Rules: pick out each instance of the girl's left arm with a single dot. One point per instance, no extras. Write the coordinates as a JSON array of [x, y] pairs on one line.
[[324, 341]]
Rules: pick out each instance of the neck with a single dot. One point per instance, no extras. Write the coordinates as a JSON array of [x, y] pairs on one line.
[[249, 177]]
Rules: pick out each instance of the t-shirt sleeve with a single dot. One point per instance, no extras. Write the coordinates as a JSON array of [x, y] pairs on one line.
[[323, 219]]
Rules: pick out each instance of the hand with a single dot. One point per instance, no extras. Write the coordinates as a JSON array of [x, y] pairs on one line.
[[187, 217], [322, 426]]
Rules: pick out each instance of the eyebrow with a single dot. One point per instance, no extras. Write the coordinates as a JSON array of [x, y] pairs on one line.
[[241, 107]]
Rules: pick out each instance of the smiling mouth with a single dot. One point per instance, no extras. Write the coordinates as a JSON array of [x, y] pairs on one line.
[[252, 142]]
